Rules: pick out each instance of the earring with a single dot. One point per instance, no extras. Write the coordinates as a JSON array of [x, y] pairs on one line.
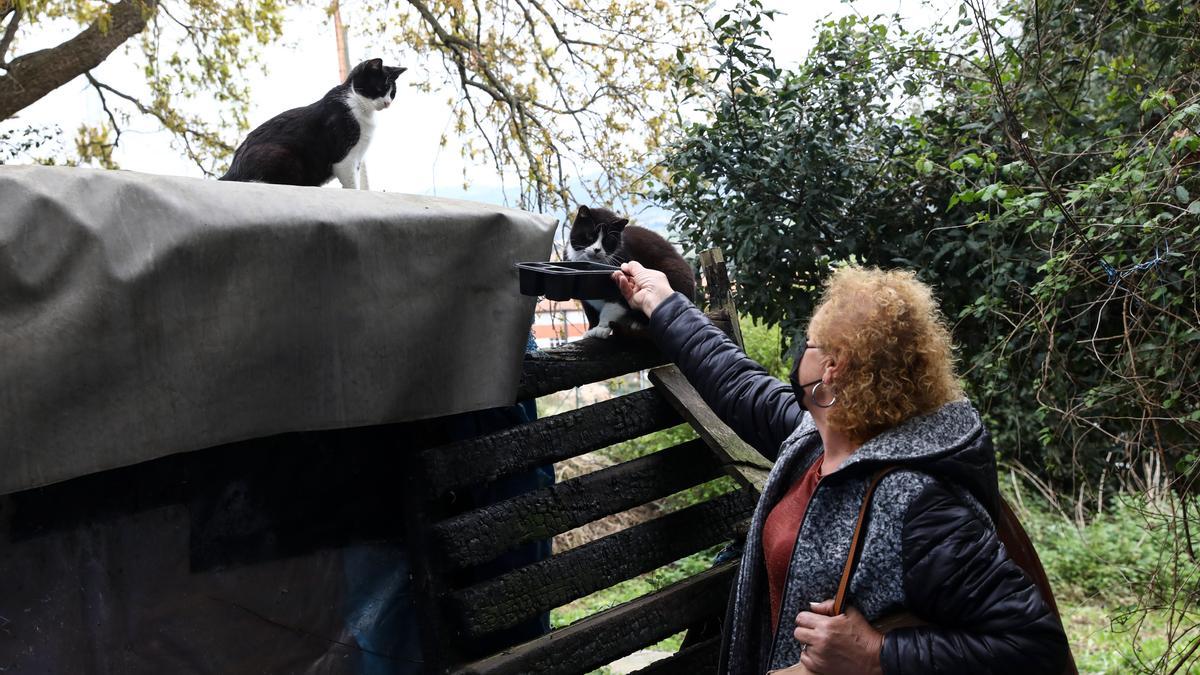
[[814, 397]]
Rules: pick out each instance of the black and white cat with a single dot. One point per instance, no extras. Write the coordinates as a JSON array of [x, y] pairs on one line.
[[599, 235], [310, 145]]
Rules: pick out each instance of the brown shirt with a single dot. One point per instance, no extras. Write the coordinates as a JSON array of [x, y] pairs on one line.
[[780, 531]]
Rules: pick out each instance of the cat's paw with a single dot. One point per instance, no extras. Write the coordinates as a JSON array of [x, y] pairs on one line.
[[601, 332]]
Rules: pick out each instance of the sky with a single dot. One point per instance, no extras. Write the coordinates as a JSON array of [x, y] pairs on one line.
[[405, 155]]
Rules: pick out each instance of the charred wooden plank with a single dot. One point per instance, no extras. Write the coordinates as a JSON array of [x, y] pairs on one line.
[[480, 535], [546, 440], [508, 599], [694, 660], [611, 634], [592, 360], [740, 460], [583, 362]]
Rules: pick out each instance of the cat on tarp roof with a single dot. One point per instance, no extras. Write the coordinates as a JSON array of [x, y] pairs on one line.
[[312, 144], [599, 235]]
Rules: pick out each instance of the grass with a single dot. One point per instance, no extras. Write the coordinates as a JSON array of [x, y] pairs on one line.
[[1104, 646], [1111, 577]]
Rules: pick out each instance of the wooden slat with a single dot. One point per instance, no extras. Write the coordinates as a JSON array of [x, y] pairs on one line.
[[528, 591], [739, 459], [592, 360], [609, 635], [546, 440], [583, 362], [695, 660], [480, 535]]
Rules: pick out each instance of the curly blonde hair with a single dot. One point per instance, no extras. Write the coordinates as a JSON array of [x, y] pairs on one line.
[[886, 333]]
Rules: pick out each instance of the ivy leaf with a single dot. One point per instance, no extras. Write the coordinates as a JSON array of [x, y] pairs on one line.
[[1182, 193]]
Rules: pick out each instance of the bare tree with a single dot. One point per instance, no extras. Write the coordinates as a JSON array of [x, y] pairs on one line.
[[570, 97]]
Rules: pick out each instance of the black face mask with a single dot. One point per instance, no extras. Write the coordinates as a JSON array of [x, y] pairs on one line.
[[798, 388]]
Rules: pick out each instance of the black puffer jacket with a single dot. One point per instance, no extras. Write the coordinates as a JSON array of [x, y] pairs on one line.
[[931, 548]]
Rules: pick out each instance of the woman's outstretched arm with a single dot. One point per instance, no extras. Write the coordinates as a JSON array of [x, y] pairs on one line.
[[756, 405]]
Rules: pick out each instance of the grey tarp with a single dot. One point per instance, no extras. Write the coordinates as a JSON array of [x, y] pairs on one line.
[[147, 315]]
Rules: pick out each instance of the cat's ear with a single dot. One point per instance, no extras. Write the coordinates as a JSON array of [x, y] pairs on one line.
[[619, 225], [583, 212], [374, 64], [393, 72]]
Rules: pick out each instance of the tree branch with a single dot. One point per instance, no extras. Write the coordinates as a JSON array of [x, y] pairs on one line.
[[521, 118], [104, 104], [566, 42], [9, 33], [178, 126], [33, 75]]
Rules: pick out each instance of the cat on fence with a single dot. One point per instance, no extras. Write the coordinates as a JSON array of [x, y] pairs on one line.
[[599, 235], [311, 145]]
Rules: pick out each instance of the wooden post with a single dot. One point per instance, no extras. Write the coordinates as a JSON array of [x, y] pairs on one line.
[[737, 458], [720, 291], [342, 37]]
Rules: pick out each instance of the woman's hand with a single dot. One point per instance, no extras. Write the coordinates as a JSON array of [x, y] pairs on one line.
[[838, 645], [643, 289]]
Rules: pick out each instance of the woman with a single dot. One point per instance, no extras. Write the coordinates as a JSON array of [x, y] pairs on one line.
[[873, 386]]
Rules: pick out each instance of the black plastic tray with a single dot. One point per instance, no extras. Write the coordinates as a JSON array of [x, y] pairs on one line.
[[581, 280]]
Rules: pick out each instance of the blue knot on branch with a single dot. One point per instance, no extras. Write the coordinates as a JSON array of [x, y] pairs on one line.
[[1116, 276]]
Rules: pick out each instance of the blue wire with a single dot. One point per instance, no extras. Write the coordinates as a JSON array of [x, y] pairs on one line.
[[1115, 276]]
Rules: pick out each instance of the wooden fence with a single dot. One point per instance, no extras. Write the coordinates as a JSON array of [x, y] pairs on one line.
[[463, 613]]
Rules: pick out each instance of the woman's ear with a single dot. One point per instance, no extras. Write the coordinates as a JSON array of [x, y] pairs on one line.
[[832, 369]]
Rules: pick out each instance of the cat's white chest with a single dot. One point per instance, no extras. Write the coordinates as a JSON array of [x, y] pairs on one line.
[[363, 110]]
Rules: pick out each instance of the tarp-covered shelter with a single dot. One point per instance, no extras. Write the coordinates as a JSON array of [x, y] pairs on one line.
[[147, 317]]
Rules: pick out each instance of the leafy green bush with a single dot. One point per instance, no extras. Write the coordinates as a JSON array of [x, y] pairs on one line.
[[1039, 168]]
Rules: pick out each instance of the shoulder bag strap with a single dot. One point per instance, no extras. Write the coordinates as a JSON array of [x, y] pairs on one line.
[[860, 531]]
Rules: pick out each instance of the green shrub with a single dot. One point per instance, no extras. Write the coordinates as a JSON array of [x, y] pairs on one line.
[[1108, 560], [1100, 572]]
